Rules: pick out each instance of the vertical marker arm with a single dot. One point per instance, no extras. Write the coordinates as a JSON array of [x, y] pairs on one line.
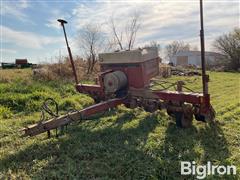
[[69, 50]]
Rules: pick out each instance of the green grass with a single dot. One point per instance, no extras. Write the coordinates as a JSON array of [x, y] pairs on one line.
[[121, 144]]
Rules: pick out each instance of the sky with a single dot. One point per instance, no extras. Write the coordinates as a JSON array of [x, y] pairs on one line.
[[29, 28]]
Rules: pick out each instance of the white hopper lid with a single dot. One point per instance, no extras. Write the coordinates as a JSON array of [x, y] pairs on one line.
[[133, 56]]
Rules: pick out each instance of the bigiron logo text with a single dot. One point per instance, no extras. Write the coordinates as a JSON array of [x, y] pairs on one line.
[[201, 171]]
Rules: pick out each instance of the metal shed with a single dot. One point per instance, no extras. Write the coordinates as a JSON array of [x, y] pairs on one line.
[[184, 58]]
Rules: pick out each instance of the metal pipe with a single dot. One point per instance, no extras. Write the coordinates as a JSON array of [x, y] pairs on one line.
[[204, 77], [69, 50]]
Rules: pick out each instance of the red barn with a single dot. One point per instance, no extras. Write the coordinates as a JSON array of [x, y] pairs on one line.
[[21, 61]]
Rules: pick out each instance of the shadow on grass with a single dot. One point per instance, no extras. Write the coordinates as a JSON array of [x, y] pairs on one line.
[[118, 152], [107, 153], [200, 145]]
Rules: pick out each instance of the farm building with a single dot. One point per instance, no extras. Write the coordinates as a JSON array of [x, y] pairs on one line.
[[22, 63], [184, 58], [19, 63]]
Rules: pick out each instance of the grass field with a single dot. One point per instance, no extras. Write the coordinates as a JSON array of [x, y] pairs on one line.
[[121, 144]]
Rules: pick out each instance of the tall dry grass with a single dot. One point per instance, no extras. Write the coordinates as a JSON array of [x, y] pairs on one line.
[[8, 75], [63, 71]]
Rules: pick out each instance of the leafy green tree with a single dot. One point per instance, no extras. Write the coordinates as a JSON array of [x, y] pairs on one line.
[[229, 45]]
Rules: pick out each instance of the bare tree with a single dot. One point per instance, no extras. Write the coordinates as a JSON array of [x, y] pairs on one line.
[[229, 45], [91, 41], [116, 37], [131, 28], [175, 47]]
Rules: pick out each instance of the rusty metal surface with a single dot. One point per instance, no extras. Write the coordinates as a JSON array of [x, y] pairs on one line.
[[54, 123], [138, 74]]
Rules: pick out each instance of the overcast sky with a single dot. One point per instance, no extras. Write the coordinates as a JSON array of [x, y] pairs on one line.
[[29, 28]]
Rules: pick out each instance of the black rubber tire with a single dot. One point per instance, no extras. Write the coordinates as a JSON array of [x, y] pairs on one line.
[[127, 105], [178, 118], [199, 117], [170, 113]]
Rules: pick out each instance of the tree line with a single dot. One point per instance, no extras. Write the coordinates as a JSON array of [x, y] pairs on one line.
[[93, 40]]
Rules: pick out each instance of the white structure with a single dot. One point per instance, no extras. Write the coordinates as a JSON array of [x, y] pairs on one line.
[[133, 56], [184, 58]]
